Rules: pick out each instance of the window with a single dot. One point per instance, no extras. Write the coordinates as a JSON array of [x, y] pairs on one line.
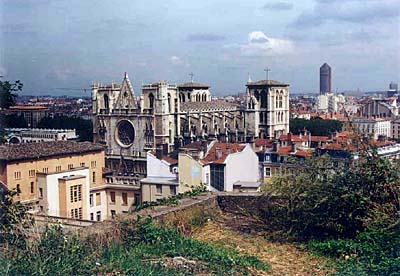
[[94, 177], [70, 166], [98, 199], [91, 216], [113, 213], [58, 169], [172, 189], [98, 215], [217, 177], [91, 200], [75, 193], [76, 213], [82, 164], [40, 192], [159, 189], [45, 170], [137, 199], [93, 164], [32, 173], [112, 197], [32, 187], [17, 175], [124, 199], [267, 172], [19, 189], [267, 158]]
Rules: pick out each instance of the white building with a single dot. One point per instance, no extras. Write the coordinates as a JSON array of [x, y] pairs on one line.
[[27, 135], [330, 102], [232, 167], [373, 127]]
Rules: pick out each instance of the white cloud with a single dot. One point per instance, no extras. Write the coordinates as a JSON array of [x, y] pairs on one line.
[[175, 60], [260, 45]]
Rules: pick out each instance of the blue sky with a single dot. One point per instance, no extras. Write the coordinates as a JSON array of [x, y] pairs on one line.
[[50, 44]]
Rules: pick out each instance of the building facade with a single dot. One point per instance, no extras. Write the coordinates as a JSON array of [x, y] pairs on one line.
[[325, 79], [170, 116], [48, 174], [373, 127], [28, 135]]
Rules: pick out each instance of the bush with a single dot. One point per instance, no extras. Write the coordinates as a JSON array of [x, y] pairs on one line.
[[329, 200], [374, 252]]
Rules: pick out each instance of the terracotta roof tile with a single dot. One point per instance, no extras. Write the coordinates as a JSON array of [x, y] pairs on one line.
[[225, 149], [45, 149], [259, 142]]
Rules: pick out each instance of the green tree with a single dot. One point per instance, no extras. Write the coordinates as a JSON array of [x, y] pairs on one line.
[[328, 198], [84, 128], [317, 127], [13, 219], [7, 95]]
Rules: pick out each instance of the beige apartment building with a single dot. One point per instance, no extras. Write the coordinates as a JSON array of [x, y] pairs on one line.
[[53, 178], [66, 179]]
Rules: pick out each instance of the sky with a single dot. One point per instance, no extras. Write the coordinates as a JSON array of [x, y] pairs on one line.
[[68, 44]]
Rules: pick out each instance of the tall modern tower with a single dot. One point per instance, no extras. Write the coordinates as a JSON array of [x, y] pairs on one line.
[[325, 79]]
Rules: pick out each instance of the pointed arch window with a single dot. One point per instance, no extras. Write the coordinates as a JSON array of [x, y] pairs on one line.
[[106, 102], [169, 103], [151, 100]]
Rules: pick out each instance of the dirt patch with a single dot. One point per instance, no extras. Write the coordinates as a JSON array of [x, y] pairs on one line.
[[284, 258]]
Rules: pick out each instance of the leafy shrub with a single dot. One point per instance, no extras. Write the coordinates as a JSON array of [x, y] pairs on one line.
[[325, 199], [374, 252]]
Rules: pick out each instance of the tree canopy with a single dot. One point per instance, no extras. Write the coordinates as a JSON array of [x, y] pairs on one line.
[[317, 127], [84, 128], [7, 95]]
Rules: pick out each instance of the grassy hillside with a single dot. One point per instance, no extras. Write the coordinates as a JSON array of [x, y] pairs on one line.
[[143, 250]]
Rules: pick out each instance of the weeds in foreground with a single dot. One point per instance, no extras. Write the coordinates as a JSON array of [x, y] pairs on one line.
[[144, 249], [374, 252]]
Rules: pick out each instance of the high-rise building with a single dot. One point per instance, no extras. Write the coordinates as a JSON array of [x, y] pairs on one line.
[[325, 75]]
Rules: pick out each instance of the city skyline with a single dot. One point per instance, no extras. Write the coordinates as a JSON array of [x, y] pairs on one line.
[[59, 44]]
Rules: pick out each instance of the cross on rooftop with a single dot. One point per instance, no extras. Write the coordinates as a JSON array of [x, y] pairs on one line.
[[267, 70], [191, 76]]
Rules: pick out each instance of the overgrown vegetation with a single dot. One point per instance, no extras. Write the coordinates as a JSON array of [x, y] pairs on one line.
[[373, 252], [171, 200], [317, 127], [348, 207], [141, 250], [84, 128]]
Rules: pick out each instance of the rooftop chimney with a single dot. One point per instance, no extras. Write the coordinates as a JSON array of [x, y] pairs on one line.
[[293, 147], [218, 152], [275, 146]]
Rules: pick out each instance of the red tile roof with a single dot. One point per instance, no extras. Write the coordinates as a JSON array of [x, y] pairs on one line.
[[170, 160], [260, 142], [287, 151], [225, 149], [293, 138], [319, 138]]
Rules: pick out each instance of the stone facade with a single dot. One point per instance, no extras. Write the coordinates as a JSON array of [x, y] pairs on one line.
[[170, 116]]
